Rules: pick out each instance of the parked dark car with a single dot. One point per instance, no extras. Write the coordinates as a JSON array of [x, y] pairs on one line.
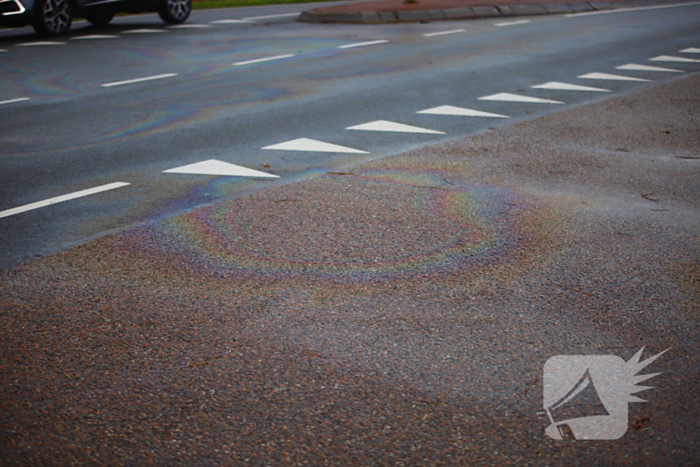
[[54, 17]]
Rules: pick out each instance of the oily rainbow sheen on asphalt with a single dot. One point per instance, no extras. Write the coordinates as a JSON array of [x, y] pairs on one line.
[[375, 225]]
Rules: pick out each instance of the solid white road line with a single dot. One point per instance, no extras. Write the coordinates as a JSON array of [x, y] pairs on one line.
[[460, 112], [93, 36], [285, 15], [60, 199], [507, 97], [306, 144], [216, 167], [609, 77], [512, 23], [383, 125], [12, 101], [442, 33], [266, 59], [362, 44], [555, 85], [668, 58], [635, 67], [138, 80], [40, 44]]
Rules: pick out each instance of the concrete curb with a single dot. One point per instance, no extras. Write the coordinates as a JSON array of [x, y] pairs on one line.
[[370, 17]]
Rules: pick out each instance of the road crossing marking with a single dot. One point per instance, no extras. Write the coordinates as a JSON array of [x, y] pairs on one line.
[[668, 58], [442, 33], [216, 167], [460, 112], [60, 199], [512, 23], [362, 44], [12, 101], [555, 85], [138, 80], [607, 76], [306, 144], [507, 97], [383, 125], [261, 60], [635, 67]]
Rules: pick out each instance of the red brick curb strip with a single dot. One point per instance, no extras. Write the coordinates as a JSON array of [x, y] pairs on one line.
[[364, 13]]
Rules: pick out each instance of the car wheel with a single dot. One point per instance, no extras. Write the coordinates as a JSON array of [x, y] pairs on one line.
[[53, 17], [100, 19], [175, 11]]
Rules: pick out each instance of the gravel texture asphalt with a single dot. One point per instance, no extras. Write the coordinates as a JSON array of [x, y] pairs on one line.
[[397, 313]]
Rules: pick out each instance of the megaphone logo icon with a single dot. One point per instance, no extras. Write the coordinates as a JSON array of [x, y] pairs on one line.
[[586, 396]]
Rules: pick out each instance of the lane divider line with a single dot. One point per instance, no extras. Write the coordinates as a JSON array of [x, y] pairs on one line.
[[39, 44], [512, 23], [60, 199], [232, 21], [362, 44], [261, 60], [12, 101], [285, 15], [93, 36], [138, 80], [442, 33]]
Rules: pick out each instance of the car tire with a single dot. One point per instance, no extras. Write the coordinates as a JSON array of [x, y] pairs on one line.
[[175, 11], [53, 17], [99, 19]]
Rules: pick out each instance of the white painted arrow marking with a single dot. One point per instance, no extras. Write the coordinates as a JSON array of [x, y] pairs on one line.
[[384, 125], [306, 144], [606, 76], [567, 87], [12, 101], [261, 60], [507, 97], [93, 36], [216, 167], [691, 50], [60, 199], [635, 67], [460, 112], [668, 58]]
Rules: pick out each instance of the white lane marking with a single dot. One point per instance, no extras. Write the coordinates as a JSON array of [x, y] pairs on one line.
[[507, 97], [216, 167], [512, 23], [691, 50], [144, 31], [460, 112], [60, 199], [623, 10], [555, 85], [138, 80], [609, 77], [266, 59], [635, 67], [3, 50], [442, 33], [40, 44], [285, 15], [12, 101], [668, 58], [383, 125], [362, 44], [93, 36], [190, 26], [306, 144], [232, 21]]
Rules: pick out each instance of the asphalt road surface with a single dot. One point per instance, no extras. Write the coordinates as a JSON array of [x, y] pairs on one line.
[[458, 239]]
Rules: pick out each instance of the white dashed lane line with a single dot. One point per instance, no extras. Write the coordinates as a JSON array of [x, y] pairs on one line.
[[60, 199], [285, 15], [233, 21], [138, 80], [39, 44], [12, 101], [512, 23], [144, 31], [93, 37], [443, 33], [264, 59], [362, 44], [190, 26]]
